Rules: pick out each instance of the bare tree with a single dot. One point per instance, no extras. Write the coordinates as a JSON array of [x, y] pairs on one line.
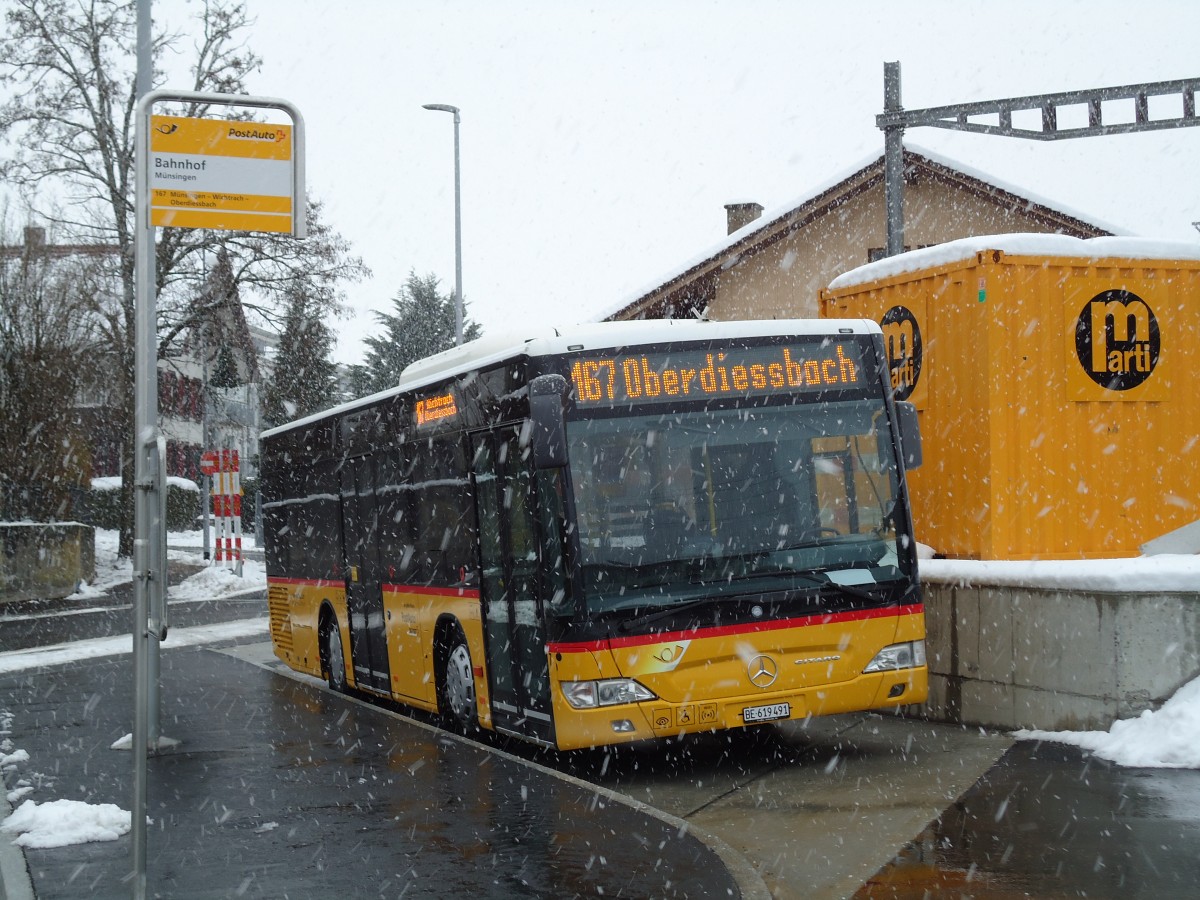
[[68, 70], [44, 334]]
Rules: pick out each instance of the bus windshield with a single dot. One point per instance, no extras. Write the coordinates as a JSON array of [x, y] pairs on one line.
[[675, 507]]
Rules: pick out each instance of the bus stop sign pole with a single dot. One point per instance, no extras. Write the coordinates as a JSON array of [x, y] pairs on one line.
[[237, 207]]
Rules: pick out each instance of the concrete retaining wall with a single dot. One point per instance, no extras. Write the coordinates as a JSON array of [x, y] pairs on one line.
[[45, 562], [1017, 657]]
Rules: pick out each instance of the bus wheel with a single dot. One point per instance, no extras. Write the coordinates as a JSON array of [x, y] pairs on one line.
[[331, 640], [456, 688]]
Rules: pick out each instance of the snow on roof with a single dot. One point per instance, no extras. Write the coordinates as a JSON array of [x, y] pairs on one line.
[[782, 211], [1091, 249], [768, 217], [1022, 192]]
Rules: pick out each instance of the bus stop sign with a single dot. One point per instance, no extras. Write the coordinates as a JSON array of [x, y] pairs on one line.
[[220, 173]]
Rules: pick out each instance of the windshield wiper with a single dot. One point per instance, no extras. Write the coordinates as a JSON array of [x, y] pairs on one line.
[[666, 612], [819, 583]]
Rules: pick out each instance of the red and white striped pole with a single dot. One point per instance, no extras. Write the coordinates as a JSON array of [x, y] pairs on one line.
[[235, 503], [227, 509], [218, 498]]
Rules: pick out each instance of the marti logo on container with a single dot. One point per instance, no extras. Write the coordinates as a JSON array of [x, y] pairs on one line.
[[1117, 340], [902, 343]]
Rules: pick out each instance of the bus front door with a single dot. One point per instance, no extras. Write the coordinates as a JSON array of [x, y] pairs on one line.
[[364, 585], [515, 634]]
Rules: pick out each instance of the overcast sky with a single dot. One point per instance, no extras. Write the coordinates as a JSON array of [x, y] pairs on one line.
[[601, 140]]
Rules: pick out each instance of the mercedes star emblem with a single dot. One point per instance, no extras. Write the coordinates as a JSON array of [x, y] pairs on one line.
[[762, 671]]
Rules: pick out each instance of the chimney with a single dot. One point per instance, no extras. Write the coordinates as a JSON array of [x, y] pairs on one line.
[[35, 238], [738, 215]]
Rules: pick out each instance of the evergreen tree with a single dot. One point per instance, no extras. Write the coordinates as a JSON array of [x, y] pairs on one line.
[[225, 371], [421, 325], [305, 378]]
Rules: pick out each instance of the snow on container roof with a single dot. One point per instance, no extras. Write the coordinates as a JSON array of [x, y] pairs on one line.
[[1018, 245]]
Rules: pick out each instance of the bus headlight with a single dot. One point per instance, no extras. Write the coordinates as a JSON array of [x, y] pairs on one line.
[[609, 692], [908, 655]]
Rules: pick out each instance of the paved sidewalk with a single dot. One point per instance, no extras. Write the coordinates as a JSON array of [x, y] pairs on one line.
[[282, 789]]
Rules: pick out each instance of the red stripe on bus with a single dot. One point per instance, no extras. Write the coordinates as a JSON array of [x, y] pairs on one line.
[[472, 593], [744, 628]]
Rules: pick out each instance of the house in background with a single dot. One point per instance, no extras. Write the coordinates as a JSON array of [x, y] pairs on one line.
[[774, 265], [228, 372]]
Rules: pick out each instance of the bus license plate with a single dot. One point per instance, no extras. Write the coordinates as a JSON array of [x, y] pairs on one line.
[[767, 713]]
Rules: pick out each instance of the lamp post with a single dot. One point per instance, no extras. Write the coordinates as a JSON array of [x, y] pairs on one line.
[[458, 304]]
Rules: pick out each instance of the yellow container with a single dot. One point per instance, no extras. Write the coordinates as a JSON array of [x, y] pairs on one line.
[[1057, 386]]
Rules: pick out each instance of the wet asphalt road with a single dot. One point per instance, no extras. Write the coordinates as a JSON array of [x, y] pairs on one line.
[[1051, 821], [284, 789]]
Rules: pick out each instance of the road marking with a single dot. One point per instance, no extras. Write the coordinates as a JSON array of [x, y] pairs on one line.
[[117, 645], [250, 595]]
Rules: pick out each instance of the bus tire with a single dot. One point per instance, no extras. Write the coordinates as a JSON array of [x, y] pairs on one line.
[[456, 684], [335, 660]]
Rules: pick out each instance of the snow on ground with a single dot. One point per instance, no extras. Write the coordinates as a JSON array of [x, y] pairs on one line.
[[217, 580], [110, 569], [73, 651], [1167, 738], [61, 823], [210, 583]]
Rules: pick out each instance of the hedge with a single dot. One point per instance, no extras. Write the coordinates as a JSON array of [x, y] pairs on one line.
[[103, 506]]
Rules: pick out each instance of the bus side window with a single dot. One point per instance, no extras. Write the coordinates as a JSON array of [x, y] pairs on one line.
[[534, 505], [518, 501], [551, 513], [315, 525], [444, 539], [394, 497]]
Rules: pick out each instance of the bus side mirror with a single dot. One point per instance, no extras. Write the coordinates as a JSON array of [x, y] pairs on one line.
[[910, 434], [546, 395]]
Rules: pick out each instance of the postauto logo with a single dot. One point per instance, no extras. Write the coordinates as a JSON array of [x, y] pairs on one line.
[[1117, 340], [902, 343]]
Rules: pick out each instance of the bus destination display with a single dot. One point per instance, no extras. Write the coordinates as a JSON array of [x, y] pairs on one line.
[[435, 408], [734, 372]]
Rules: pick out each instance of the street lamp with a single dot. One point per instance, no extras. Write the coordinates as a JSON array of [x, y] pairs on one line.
[[458, 304]]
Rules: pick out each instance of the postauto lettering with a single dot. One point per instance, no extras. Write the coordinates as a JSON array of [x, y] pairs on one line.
[[732, 372]]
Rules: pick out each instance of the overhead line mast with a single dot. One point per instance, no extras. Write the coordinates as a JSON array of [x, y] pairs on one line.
[[965, 117]]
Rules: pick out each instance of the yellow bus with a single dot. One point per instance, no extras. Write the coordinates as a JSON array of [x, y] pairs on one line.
[[629, 531]]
